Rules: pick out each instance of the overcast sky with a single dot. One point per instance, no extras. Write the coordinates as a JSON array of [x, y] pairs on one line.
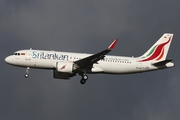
[[88, 26]]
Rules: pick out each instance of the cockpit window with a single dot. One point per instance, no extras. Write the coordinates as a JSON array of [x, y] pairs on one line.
[[17, 54]]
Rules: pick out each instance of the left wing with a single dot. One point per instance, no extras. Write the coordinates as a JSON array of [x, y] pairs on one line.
[[90, 60]]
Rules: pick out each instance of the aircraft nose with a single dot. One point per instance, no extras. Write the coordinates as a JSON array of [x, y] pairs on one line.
[[7, 59]]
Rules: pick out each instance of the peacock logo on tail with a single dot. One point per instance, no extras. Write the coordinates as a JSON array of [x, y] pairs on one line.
[[156, 53]]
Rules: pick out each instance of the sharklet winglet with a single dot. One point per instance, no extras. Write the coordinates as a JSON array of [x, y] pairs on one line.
[[113, 44]]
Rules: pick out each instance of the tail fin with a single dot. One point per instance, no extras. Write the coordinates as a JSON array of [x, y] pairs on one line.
[[159, 50]]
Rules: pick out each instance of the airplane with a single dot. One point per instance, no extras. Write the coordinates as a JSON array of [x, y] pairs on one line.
[[68, 64]]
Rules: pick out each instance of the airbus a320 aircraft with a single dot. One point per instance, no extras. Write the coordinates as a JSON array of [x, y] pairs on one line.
[[67, 64]]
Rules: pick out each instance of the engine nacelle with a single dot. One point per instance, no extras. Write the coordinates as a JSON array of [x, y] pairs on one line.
[[64, 66], [60, 75]]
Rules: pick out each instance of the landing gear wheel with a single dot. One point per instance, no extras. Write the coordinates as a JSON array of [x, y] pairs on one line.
[[27, 72], [83, 81], [85, 77], [26, 75]]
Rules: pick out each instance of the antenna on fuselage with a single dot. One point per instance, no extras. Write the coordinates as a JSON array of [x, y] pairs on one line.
[[30, 48]]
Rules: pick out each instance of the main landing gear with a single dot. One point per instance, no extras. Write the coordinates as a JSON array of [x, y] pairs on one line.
[[27, 72], [84, 78]]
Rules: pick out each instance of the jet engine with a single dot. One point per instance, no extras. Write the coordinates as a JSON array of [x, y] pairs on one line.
[[65, 66]]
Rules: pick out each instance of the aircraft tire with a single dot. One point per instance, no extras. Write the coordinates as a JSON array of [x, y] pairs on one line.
[[85, 77], [83, 81], [26, 75]]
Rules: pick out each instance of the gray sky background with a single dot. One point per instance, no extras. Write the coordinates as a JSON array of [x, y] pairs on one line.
[[88, 26]]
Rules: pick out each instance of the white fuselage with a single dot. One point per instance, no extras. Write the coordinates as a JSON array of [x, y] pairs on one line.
[[110, 64], [67, 64]]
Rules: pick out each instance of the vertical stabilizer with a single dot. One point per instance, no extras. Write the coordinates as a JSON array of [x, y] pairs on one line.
[[159, 50]]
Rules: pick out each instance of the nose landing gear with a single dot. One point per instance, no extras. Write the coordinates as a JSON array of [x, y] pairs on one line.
[[27, 72]]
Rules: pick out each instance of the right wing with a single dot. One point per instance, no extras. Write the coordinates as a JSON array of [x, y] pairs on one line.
[[90, 60]]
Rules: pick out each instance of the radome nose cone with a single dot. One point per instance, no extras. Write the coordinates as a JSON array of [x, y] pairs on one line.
[[7, 59]]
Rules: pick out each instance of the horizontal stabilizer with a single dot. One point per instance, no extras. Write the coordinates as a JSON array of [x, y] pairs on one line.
[[160, 63]]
